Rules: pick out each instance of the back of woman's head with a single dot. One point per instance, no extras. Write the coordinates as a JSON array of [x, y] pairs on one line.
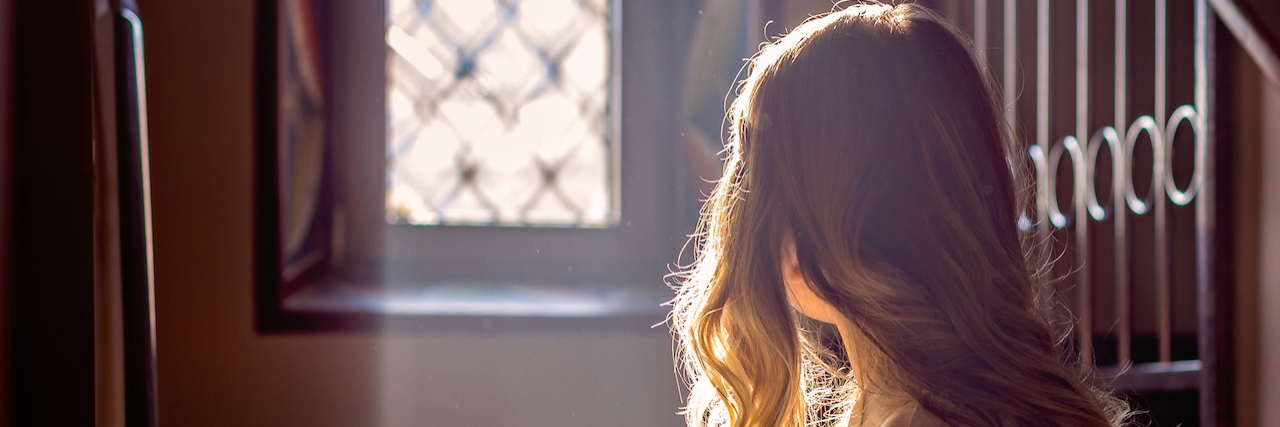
[[872, 136]]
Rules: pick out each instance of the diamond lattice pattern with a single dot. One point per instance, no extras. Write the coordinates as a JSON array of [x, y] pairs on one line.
[[497, 112]]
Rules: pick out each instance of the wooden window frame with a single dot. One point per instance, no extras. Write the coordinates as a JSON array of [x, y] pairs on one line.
[[622, 266]]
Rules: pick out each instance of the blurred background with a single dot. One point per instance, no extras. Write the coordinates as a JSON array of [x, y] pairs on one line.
[[465, 213]]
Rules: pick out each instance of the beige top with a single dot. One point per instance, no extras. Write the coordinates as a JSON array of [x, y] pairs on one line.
[[890, 411]]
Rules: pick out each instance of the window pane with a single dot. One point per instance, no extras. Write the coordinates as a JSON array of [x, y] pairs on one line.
[[497, 112]]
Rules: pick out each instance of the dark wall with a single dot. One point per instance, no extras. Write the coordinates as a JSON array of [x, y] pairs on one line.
[[6, 168], [51, 315]]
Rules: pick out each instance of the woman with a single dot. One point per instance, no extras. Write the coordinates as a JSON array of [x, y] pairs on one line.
[[868, 186]]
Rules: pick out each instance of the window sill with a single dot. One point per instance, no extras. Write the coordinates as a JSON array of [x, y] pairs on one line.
[[515, 307], [461, 299]]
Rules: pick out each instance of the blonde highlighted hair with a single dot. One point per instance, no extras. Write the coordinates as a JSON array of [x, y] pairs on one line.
[[874, 137]]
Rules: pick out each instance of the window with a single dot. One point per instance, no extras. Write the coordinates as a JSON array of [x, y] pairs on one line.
[[465, 162], [498, 113]]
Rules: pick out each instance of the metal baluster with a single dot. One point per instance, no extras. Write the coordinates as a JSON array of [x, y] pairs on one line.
[[1164, 301], [1010, 62], [1084, 281], [1214, 343], [980, 30], [1042, 115], [1120, 214]]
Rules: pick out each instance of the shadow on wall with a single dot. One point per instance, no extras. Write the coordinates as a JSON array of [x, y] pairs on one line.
[[215, 370]]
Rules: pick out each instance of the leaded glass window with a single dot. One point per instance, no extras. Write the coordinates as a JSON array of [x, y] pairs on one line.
[[498, 113]]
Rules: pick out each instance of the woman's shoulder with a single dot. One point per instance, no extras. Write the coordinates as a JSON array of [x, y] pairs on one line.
[[911, 414]]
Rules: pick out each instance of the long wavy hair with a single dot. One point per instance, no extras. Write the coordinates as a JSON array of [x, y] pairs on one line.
[[874, 137]]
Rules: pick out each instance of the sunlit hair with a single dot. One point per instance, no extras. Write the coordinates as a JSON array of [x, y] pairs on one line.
[[872, 134]]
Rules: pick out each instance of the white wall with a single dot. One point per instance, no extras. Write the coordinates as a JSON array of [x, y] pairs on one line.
[[1257, 128], [216, 371], [1268, 292]]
